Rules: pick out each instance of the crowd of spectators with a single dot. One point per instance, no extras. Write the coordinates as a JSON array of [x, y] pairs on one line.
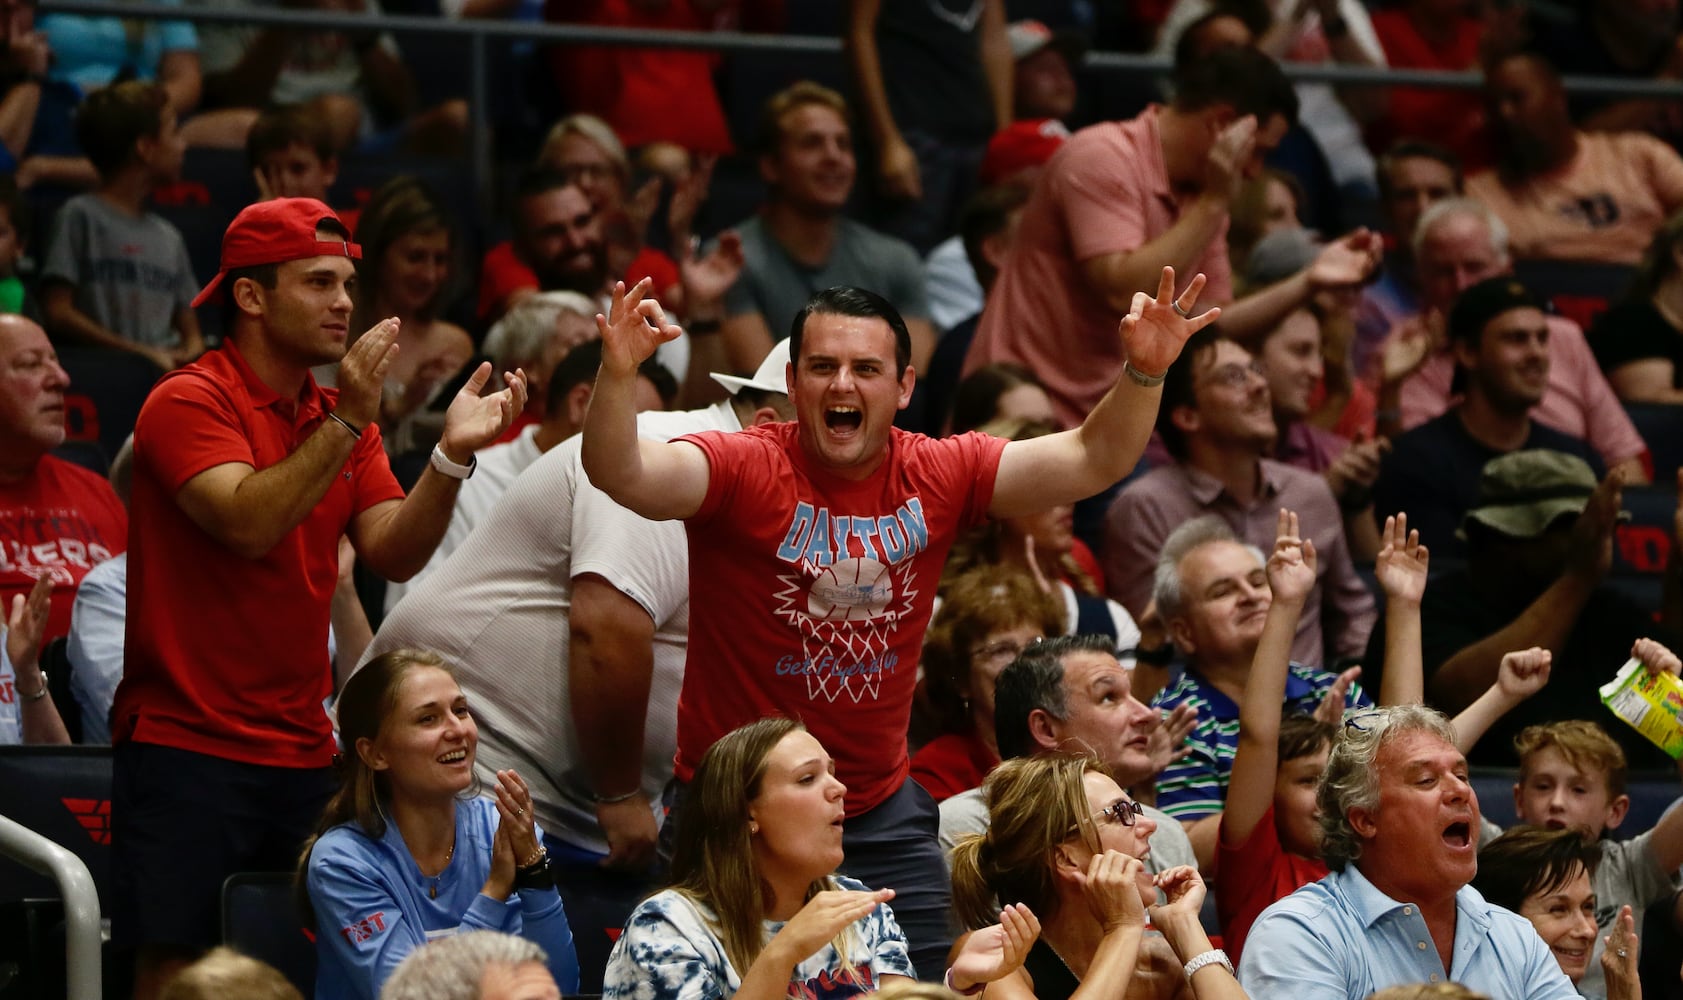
[[970, 509]]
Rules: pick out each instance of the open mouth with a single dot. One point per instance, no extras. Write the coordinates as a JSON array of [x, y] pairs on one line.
[[1458, 835], [453, 757], [843, 418]]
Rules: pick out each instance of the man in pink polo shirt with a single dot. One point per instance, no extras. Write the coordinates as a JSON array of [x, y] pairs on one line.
[[1120, 201], [246, 475]]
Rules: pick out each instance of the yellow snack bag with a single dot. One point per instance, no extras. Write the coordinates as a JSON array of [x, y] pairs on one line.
[[1651, 703]]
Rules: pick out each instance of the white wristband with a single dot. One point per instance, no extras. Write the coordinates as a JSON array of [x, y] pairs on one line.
[[442, 463], [1214, 956]]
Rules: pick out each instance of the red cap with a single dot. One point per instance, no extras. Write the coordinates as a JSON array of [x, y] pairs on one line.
[[274, 232], [1021, 145]]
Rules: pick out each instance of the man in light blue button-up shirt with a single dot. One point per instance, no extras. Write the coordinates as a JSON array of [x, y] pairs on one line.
[[1400, 832]]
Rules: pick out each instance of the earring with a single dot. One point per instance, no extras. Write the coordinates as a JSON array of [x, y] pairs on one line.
[[753, 828]]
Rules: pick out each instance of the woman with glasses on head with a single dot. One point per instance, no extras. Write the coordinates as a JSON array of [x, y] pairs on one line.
[[1067, 842], [987, 617], [407, 850]]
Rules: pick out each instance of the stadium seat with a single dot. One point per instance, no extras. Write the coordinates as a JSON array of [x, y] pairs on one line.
[[1661, 427], [106, 391], [260, 918], [64, 794], [1577, 289]]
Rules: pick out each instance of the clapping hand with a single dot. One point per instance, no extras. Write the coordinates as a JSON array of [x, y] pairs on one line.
[[474, 421], [26, 626], [995, 952], [822, 918]]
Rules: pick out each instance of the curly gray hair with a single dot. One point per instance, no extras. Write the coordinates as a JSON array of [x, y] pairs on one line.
[[1351, 778]]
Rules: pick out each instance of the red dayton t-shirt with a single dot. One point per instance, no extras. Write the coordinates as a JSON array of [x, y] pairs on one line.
[[63, 520], [809, 594], [227, 656]]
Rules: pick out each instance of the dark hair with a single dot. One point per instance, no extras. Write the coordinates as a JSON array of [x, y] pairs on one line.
[[576, 367], [114, 119], [1179, 383], [846, 300], [983, 215], [1530, 860], [1304, 736], [1242, 78], [1416, 149], [399, 207], [535, 180], [976, 397], [1189, 47], [1035, 680], [284, 126]]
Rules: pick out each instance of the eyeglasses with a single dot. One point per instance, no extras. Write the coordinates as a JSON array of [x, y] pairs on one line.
[[1004, 649], [1235, 376], [1122, 811]]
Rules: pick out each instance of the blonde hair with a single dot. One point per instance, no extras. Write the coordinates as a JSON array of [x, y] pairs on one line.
[[1035, 805], [594, 129], [797, 95], [224, 973], [1585, 745]]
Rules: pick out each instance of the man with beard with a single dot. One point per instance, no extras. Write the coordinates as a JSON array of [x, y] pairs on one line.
[[1399, 827], [1217, 421], [557, 246], [815, 546], [1567, 194], [1500, 339]]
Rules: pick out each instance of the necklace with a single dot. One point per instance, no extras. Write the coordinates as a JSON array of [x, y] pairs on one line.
[[964, 21], [432, 890]]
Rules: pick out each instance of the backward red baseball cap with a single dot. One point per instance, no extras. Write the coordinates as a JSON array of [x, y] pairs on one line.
[[1020, 145], [274, 232]]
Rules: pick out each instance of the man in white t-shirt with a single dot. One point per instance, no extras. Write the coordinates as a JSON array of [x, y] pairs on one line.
[[567, 617]]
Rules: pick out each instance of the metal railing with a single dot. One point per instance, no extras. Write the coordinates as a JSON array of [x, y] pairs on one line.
[[478, 33], [81, 903]]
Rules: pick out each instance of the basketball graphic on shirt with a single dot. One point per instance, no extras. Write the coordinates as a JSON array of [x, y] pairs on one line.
[[852, 590]]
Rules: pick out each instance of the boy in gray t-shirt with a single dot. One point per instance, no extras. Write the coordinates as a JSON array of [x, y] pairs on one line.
[[116, 275]]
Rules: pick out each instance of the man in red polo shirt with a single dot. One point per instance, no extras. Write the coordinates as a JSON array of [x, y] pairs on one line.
[[246, 475]]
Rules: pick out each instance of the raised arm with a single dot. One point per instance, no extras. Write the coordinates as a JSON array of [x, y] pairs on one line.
[[1521, 675], [250, 511], [1667, 841], [1549, 619], [1250, 787], [658, 479], [396, 538], [1074, 465], [39, 721], [1401, 569]]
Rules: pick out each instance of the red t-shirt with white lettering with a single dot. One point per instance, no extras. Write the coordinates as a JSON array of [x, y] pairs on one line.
[[810, 594], [62, 520]]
